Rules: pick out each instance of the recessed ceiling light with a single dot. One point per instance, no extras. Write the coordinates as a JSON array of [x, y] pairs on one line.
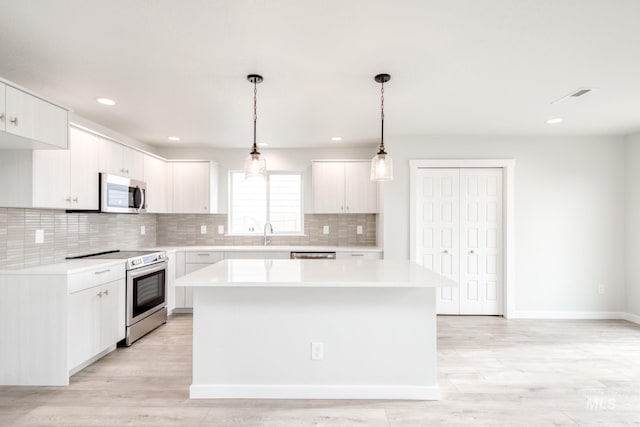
[[106, 101], [263, 144], [555, 120], [336, 138], [173, 138]]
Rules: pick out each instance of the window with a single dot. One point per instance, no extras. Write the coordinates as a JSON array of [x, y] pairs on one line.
[[276, 199]]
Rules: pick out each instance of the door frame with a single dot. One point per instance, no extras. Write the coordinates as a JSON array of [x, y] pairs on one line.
[[508, 215]]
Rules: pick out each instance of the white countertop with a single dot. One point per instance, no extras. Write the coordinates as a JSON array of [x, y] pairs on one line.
[[271, 248], [71, 266], [314, 273]]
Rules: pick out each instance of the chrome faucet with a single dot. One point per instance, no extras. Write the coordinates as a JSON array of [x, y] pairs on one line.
[[267, 240]]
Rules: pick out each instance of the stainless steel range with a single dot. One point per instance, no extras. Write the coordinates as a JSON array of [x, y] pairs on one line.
[[146, 290]]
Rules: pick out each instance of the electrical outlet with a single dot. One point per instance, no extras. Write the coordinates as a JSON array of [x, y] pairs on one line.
[[325, 229], [39, 236], [317, 351], [359, 229], [221, 229], [203, 229], [600, 289], [143, 230]]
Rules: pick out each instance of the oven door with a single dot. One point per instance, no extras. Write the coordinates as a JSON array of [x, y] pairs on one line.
[[146, 291]]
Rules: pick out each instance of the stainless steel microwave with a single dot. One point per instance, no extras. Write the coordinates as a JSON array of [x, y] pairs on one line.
[[122, 195]]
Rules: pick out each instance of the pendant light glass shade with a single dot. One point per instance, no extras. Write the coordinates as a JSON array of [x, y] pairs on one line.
[[255, 166], [381, 167], [382, 164]]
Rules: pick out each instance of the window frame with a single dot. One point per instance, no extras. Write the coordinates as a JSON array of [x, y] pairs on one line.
[[230, 231]]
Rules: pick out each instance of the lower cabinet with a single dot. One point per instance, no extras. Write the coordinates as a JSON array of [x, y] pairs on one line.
[[96, 321], [193, 261]]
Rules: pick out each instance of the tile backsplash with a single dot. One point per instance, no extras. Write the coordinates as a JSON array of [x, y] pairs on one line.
[[67, 234], [184, 230]]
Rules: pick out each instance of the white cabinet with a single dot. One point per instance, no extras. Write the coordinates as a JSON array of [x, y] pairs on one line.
[[257, 255], [194, 187], [157, 180], [343, 187], [68, 179], [118, 159], [53, 179], [95, 321], [194, 261], [30, 122]]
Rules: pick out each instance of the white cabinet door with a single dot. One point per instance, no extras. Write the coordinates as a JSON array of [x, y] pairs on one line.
[[191, 187], [36, 119], [328, 187], [112, 321], [3, 111], [361, 194], [110, 159], [20, 108], [84, 150], [51, 179], [84, 325], [133, 163], [156, 178]]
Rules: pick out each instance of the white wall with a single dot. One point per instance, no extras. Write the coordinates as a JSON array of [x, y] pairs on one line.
[[277, 159], [569, 214], [632, 235]]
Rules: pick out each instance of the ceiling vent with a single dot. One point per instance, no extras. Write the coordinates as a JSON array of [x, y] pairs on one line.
[[573, 95]]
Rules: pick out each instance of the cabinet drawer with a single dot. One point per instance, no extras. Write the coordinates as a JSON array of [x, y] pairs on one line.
[[98, 276], [359, 255], [204, 257]]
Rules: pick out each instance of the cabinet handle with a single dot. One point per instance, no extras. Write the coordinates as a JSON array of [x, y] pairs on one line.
[[357, 254], [75, 200], [106, 292], [126, 171], [471, 252], [204, 254], [102, 271], [14, 121], [446, 251], [347, 208], [99, 294], [121, 170], [68, 200], [1, 116]]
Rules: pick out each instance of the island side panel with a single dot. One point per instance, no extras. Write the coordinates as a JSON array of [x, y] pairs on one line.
[[378, 343]]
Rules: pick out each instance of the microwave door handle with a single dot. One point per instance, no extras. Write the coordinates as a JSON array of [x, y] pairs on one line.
[[142, 198]]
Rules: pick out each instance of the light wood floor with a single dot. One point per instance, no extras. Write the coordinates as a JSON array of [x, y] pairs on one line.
[[492, 372]]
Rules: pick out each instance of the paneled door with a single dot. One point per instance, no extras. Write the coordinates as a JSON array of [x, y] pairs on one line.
[[438, 228], [459, 235]]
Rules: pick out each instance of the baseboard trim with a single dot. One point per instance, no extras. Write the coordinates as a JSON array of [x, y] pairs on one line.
[[632, 318], [575, 315], [277, 391]]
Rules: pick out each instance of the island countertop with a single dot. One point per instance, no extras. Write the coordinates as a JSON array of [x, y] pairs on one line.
[[314, 273]]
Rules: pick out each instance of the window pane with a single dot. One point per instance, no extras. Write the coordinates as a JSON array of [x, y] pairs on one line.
[[248, 204], [285, 202]]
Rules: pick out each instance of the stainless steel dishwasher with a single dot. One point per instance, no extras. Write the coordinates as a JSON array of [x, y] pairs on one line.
[[313, 255]]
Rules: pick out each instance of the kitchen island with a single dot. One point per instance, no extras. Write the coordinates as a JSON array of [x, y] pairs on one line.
[[314, 329]]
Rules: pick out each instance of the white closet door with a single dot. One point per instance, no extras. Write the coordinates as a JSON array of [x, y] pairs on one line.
[[481, 241], [438, 230]]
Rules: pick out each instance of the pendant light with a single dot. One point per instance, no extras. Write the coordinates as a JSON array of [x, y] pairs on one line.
[[255, 166], [381, 164]]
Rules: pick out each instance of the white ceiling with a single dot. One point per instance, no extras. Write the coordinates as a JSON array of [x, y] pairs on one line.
[[464, 67]]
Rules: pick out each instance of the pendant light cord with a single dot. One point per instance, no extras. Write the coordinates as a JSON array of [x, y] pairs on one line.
[[255, 116], [382, 119]]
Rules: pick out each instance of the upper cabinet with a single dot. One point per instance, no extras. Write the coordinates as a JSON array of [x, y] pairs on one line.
[[117, 159], [29, 122], [343, 186], [156, 176], [194, 187]]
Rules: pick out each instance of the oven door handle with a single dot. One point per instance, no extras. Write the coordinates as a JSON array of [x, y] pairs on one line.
[[146, 270]]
